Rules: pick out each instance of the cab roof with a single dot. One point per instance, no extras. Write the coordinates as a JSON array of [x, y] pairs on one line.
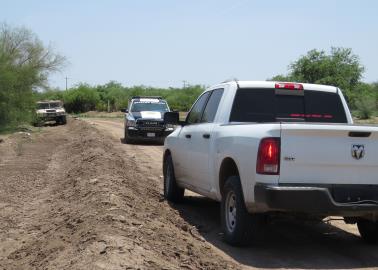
[[272, 84], [152, 99]]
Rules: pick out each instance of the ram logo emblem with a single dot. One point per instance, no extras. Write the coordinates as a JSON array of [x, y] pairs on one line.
[[358, 151]]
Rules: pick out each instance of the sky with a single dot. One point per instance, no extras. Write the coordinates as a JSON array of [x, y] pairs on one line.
[[166, 43]]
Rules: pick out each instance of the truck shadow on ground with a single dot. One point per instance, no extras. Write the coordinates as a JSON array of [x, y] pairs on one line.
[[48, 124], [122, 140], [284, 242]]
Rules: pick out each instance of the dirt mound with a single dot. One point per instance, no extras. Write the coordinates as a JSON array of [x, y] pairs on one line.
[[82, 205]]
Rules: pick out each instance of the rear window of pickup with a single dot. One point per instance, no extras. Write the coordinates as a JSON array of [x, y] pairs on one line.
[[265, 105]]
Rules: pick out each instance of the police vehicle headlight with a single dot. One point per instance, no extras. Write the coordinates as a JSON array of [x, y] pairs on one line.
[[131, 123], [169, 127], [60, 112]]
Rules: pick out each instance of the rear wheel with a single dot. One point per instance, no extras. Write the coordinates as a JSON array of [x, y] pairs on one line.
[[172, 192], [237, 224], [368, 230]]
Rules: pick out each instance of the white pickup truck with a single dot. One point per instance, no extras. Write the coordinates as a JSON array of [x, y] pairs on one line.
[[268, 147]]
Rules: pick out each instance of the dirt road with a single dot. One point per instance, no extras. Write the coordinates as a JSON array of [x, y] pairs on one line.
[[288, 243], [76, 197], [71, 199]]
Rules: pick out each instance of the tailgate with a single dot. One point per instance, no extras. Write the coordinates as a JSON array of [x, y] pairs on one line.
[[329, 154]]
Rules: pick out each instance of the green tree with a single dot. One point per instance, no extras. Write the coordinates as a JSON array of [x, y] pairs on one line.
[[114, 93], [83, 98], [282, 78], [366, 100], [25, 64], [339, 68], [375, 93]]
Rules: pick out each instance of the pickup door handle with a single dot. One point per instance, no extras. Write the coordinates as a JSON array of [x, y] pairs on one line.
[[206, 136], [188, 136]]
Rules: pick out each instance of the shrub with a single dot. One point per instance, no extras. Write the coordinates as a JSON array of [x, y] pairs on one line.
[[81, 99], [25, 64], [366, 107]]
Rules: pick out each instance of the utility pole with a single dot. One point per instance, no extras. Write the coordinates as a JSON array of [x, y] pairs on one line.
[[66, 82], [184, 83]]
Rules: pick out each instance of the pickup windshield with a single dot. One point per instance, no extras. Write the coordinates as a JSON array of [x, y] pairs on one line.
[[50, 105], [149, 106], [265, 105]]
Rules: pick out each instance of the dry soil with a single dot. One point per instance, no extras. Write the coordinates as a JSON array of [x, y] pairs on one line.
[[76, 197]]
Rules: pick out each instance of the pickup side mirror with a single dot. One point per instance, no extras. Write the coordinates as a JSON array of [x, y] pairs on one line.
[[171, 118], [124, 110]]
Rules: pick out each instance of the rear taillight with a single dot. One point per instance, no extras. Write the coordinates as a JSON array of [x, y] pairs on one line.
[[268, 157]]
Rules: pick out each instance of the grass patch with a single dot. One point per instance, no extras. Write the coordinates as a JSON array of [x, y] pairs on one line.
[[370, 121], [119, 115], [94, 114], [19, 128], [6, 130], [373, 120]]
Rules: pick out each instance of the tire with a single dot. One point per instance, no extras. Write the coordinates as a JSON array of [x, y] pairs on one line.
[[126, 138], [237, 224], [368, 230], [172, 192], [63, 120]]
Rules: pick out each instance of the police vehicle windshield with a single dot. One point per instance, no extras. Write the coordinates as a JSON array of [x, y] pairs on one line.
[[158, 106]]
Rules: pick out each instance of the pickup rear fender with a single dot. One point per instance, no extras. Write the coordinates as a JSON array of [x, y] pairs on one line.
[[242, 152], [232, 165], [232, 159]]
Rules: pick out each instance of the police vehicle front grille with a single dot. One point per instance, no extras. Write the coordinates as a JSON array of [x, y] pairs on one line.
[[151, 128], [149, 125]]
